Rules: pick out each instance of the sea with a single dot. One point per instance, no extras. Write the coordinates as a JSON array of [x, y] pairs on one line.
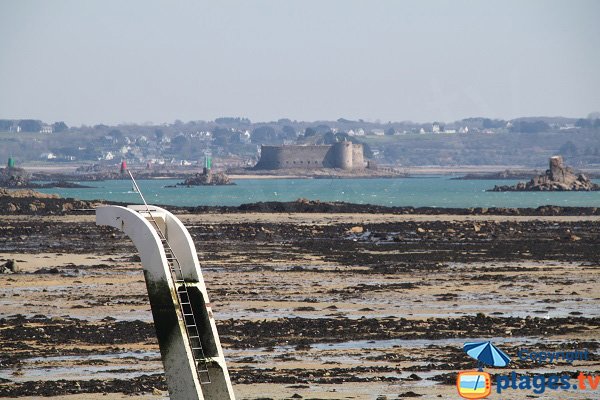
[[422, 191]]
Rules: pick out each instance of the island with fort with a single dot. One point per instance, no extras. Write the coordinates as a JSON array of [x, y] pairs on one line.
[[343, 159]]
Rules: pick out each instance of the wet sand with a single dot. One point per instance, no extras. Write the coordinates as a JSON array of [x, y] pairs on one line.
[[332, 306]]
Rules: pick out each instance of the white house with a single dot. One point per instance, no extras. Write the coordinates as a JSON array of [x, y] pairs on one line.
[[378, 132], [435, 128], [46, 129], [245, 137]]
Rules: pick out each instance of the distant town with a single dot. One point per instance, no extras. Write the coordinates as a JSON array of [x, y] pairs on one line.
[[236, 142]]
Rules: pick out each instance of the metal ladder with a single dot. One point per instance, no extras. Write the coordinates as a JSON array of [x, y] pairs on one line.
[[183, 297]]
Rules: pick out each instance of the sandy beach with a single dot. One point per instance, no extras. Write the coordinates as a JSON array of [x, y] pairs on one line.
[[318, 305]]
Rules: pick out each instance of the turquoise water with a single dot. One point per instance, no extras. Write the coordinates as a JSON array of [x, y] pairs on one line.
[[438, 191]]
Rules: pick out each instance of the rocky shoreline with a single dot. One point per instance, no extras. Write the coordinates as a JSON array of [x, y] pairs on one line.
[[30, 203]]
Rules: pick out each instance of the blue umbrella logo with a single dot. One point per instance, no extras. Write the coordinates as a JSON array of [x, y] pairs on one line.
[[486, 354]]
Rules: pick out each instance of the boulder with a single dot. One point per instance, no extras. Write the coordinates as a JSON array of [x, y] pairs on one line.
[[9, 267]]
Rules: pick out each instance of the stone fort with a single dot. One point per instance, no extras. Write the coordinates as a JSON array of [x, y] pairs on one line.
[[343, 155]]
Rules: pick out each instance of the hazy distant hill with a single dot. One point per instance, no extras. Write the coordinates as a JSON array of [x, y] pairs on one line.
[[527, 141]]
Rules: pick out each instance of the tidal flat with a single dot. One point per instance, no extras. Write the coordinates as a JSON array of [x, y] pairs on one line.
[[317, 305]]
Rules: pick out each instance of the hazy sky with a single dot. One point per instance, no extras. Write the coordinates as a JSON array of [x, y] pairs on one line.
[[138, 61]]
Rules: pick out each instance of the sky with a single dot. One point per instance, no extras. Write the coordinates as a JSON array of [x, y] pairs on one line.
[[111, 62]]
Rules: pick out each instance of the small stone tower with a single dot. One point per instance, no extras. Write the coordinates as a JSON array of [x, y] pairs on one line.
[[558, 171]]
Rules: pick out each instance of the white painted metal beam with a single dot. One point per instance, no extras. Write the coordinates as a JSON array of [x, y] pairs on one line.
[[180, 370]]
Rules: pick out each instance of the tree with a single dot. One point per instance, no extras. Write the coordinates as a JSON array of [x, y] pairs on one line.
[[59, 127], [322, 128], [390, 132], [583, 123], [232, 120], [493, 123], [594, 115], [288, 132], [117, 135], [221, 136], [530, 127], [263, 134], [329, 138], [568, 149], [180, 142], [5, 124], [308, 132], [30, 125]]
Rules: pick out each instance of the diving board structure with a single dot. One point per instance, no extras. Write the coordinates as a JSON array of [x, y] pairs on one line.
[[191, 352]]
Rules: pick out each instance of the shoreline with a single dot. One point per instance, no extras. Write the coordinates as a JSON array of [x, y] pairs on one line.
[[29, 202]]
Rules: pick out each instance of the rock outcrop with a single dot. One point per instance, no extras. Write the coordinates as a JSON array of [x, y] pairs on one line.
[[26, 193], [31, 202], [14, 177], [18, 178], [207, 178], [9, 267], [558, 177]]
